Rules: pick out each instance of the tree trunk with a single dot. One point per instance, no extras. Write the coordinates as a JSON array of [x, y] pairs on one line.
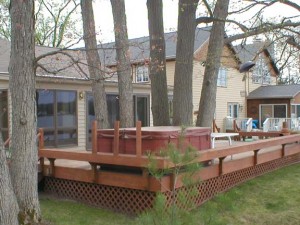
[[24, 124], [215, 48], [157, 66], [94, 64], [183, 78], [8, 203], [123, 64]]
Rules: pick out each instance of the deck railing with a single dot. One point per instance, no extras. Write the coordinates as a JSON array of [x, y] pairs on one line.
[[241, 124], [275, 124], [137, 163]]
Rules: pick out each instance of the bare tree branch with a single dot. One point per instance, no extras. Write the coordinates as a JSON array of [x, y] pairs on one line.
[[291, 41], [261, 29]]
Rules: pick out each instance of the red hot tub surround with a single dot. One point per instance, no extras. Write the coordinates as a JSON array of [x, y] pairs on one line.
[[154, 139]]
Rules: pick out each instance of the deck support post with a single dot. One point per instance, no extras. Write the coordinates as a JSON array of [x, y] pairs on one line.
[[145, 174], [116, 138], [221, 160], [52, 166], [283, 150], [138, 139], [94, 172], [256, 156]]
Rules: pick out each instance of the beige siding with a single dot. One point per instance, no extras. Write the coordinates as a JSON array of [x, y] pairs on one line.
[[81, 106], [170, 73]]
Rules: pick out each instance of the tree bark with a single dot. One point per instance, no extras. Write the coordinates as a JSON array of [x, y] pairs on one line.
[[183, 93], [207, 103], [9, 208], [24, 123], [157, 66], [94, 64], [123, 64]]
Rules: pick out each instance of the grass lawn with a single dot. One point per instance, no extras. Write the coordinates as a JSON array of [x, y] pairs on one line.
[[270, 199]]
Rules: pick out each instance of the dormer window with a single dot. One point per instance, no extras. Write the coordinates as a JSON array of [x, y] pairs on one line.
[[142, 74]]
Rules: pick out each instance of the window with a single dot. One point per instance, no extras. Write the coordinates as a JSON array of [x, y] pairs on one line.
[[4, 114], [56, 114], [141, 111], [142, 74], [295, 112], [233, 110], [222, 77], [272, 111], [261, 74]]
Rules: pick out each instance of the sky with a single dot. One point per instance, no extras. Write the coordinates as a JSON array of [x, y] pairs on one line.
[[137, 17]]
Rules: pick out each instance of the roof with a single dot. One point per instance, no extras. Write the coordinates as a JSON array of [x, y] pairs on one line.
[[275, 91], [249, 52], [61, 63], [139, 48]]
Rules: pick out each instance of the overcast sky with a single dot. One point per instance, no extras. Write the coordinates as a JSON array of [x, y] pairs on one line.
[[137, 17]]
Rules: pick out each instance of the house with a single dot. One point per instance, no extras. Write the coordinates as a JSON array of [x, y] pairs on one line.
[[275, 101], [64, 107], [65, 103]]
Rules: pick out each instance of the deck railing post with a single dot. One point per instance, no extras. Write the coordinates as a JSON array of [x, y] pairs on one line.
[[116, 138], [285, 130], [94, 137], [138, 138], [41, 138]]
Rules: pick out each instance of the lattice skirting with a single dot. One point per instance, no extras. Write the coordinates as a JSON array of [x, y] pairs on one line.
[[131, 201]]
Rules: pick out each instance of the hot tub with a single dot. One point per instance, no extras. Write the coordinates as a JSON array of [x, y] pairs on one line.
[[154, 139]]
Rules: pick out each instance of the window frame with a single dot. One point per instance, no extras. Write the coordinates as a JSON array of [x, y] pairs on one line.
[[231, 110], [222, 77], [141, 71], [271, 116], [56, 129], [261, 74]]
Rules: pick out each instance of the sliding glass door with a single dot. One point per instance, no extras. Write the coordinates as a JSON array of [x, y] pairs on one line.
[[56, 113], [272, 111], [141, 111]]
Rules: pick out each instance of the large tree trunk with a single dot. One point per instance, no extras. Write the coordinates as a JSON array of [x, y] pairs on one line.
[[157, 66], [94, 64], [8, 203], [183, 78], [24, 125], [123, 64], [215, 47]]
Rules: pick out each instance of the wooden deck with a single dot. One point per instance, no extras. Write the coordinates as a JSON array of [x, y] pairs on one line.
[[122, 181]]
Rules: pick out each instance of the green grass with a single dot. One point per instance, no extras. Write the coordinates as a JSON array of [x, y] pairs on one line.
[[270, 199]]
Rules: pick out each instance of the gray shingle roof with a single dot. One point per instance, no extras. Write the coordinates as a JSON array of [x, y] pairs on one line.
[[53, 63], [275, 91], [139, 48], [249, 52]]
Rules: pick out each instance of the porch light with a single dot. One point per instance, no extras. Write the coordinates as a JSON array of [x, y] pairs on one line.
[[241, 107]]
